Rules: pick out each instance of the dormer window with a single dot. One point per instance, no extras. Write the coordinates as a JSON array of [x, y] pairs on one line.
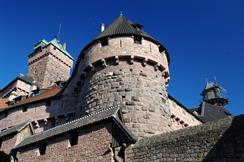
[[137, 39], [104, 42]]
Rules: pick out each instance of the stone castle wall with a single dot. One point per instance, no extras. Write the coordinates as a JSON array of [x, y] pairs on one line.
[[41, 115], [8, 143], [126, 73], [93, 145], [180, 117], [140, 89], [217, 141], [48, 66]]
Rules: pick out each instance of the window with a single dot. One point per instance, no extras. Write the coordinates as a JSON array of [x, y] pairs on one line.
[[104, 42], [73, 140], [24, 108], [42, 148], [137, 39]]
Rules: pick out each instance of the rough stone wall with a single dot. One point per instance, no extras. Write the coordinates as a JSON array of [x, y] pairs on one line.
[[126, 73], [23, 88], [140, 89], [20, 87], [218, 141], [93, 145], [41, 115], [16, 116], [8, 143], [180, 118], [48, 66]]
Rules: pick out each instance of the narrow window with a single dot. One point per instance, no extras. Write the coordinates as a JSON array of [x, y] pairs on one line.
[[120, 43], [137, 39], [104, 42], [24, 108], [1, 141], [73, 140], [42, 147]]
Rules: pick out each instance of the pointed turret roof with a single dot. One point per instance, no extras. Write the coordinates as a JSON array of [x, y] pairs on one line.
[[124, 27]]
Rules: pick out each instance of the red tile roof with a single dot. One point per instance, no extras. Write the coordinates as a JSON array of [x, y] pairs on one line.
[[48, 93]]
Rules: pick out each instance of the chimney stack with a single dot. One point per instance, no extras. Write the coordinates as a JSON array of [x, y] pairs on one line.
[[64, 46], [102, 27]]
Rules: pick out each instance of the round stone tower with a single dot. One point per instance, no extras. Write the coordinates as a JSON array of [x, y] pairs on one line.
[[126, 66]]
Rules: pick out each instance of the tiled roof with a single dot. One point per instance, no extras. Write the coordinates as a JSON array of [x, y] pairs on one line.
[[44, 95], [3, 103], [78, 123], [122, 26], [208, 112], [13, 129], [25, 78]]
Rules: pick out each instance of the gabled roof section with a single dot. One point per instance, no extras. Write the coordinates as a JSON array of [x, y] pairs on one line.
[[21, 77], [25, 78], [49, 93], [109, 113], [208, 112], [13, 129], [56, 43]]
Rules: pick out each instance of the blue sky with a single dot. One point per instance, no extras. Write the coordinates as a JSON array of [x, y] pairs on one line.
[[205, 38]]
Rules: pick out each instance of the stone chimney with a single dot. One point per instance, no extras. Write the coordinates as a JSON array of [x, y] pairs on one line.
[[64, 46], [102, 27]]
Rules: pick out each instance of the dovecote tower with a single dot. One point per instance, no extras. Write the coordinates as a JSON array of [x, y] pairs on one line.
[[125, 66], [49, 62]]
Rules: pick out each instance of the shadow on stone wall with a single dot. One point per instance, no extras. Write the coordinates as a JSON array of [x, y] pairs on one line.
[[4, 157], [229, 147]]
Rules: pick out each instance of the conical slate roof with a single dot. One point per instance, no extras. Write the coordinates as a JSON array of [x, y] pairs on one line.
[[123, 27]]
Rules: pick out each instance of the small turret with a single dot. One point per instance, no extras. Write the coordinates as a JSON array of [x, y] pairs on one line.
[[212, 94]]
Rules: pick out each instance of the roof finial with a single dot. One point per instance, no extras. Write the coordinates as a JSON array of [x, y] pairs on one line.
[[121, 13], [59, 31], [215, 79], [206, 80]]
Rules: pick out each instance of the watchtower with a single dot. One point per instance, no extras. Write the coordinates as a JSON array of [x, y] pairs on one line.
[[125, 66], [49, 62]]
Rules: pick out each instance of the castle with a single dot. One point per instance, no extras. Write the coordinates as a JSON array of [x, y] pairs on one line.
[[114, 107]]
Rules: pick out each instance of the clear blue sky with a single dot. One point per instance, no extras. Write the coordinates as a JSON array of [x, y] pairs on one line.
[[205, 38]]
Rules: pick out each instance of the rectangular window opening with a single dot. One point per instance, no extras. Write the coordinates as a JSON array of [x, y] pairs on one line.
[[104, 42], [73, 139], [137, 39], [42, 148], [24, 108]]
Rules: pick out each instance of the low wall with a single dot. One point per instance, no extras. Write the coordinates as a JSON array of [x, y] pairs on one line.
[[218, 141]]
